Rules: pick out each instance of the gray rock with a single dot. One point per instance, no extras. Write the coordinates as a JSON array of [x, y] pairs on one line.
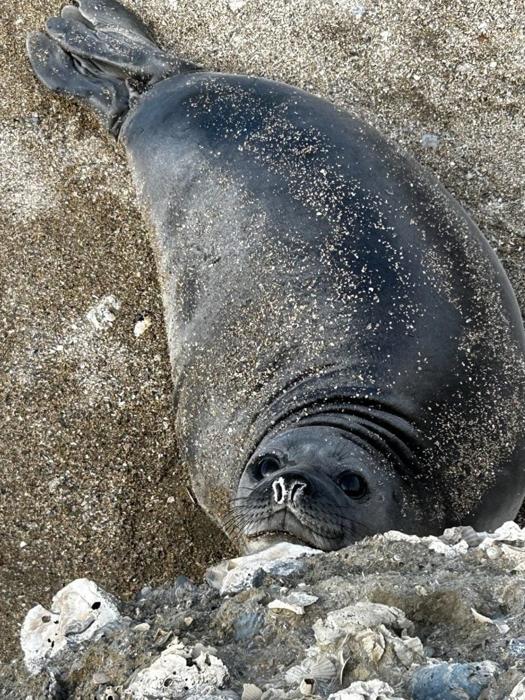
[[452, 681]]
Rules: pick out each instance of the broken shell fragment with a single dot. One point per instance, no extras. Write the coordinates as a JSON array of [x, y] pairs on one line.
[[307, 686], [295, 601]]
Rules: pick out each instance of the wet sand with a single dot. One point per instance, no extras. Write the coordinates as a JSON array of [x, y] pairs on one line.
[[89, 482]]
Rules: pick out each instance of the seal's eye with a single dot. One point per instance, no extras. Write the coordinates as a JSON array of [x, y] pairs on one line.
[[352, 484], [267, 465]]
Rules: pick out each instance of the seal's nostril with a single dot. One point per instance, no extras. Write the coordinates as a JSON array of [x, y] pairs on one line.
[[288, 490], [297, 489], [279, 490]]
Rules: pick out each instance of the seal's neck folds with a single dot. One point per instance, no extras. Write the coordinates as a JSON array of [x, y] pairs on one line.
[[376, 428]]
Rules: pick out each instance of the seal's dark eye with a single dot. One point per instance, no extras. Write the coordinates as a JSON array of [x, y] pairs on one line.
[[267, 465], [353, 485]]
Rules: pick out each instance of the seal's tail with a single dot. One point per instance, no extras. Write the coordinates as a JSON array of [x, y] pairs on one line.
[[102, 54]]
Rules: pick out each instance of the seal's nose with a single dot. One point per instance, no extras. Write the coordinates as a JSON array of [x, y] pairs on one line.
[[288, 489]]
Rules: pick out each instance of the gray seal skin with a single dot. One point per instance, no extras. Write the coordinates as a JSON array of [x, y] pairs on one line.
[[347, 351]]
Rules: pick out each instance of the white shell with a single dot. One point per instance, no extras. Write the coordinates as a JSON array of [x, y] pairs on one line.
[[319, 669], [471, 537], [502, 627], [518, 692], [251, 692]]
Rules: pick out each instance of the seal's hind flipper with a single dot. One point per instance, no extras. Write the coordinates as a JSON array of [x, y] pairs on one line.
[[112, 16], [120, 55], [102, 54], [61, 73]]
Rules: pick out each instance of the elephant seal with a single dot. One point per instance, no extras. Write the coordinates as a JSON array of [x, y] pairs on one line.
[[347, 351]]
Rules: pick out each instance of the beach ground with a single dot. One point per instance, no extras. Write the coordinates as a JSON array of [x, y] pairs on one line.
[[89, 479]]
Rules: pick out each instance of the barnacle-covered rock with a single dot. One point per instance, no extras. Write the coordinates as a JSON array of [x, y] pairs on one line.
[[369, 690], [176, 672], [78, 612]]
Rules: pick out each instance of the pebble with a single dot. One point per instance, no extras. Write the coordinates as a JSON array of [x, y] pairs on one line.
[[142, 627], [101, 678], [102, 315], [251, 692], [236, 5], [430, 141]]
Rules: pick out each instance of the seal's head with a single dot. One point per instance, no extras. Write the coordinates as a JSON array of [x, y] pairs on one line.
[[317, 486]]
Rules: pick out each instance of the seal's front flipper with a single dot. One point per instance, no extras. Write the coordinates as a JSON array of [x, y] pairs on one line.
[[102, 54], [60, 72]]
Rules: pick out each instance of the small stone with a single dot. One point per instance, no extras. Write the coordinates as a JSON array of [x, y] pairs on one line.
[[251, 692], [101, 315], [358, 11], [101, 678], [430, 141], [236, 5], [141, 627]]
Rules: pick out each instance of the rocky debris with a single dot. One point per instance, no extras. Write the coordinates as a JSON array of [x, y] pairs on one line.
[[391, 617]]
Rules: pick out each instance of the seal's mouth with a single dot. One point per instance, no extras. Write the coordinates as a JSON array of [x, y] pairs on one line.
[[263, 540], [278, 536], [286, 525]]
